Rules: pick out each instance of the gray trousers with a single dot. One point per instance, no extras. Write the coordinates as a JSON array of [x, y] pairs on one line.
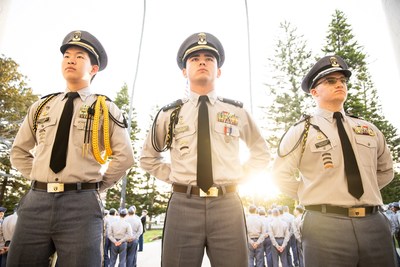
[[194, 224], [331, 240], [70, 223]]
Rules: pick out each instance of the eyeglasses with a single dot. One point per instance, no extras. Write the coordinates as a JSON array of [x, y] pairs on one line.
[[333, 80]]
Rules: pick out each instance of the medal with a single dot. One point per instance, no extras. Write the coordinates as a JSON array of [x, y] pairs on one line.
[[363, 130], [227, 133]]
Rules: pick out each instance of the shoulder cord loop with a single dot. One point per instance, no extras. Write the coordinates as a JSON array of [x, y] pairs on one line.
[[173, 120], [101, 102], [303, 137], [39, 111]]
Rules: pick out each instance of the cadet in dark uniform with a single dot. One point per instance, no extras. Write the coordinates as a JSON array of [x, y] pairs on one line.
[[342, 163], [63, 212], [205, 210]]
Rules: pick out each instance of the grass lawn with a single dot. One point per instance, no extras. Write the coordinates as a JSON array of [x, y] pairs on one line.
[[151, 235]]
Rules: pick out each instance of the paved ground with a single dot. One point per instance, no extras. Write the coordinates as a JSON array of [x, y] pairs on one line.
[[151, 256]]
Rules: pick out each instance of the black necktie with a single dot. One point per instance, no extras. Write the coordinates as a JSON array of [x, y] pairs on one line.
[[59, 152], [354, 182], [204, 165]]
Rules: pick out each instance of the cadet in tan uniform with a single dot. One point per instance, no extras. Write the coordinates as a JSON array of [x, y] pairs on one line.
[[211, 217], [342, 163], [63, 212]]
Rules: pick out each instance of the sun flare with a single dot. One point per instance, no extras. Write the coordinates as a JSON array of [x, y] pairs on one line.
[[260, 186]]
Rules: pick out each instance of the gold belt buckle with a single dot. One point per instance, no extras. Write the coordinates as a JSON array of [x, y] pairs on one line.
[[356, 212], [212, 192], [55, 187]]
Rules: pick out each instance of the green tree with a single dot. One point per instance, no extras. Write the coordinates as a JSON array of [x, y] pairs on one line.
[[142, 189], [15, 99], [113, 198], [150, 194], [363, 97], [290, 62]]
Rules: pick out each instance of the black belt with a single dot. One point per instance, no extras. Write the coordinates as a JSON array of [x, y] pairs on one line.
[[61, 187], [212, 192], [350, 212]]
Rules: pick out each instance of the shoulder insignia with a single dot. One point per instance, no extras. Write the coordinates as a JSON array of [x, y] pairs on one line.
[[231, 101], [304, 117], [354, 116], [172, 105], [53, 94]]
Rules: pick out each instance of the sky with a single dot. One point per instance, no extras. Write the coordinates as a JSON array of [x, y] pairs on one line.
[[31, 33]]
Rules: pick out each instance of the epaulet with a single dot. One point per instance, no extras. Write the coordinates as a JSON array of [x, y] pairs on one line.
[[231, 101], [174, 104], [107, 98], [354, 116], [53, 94], [304, 117]]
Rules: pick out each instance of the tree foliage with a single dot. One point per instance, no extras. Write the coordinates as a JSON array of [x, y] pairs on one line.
[[290, 62], [15, 99], [141, 189]]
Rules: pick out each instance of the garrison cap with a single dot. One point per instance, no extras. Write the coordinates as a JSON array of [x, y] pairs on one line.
[[112, 211], [261, 210], [132, 209], [299, 208], [87, 41], [323, 67], [123, 211], [200, 41]]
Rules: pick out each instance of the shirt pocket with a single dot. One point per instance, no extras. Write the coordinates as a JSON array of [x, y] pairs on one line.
[[323, 154], [184, 139], [84, 133], [46, 128], [367, 149]]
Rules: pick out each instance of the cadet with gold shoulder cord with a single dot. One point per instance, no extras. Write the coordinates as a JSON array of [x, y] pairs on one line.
[[62, 147], [335, 165], [202, 135]]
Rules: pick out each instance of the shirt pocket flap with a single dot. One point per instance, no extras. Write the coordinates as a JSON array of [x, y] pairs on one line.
[[366, 141], [45, 122], [184, 130]]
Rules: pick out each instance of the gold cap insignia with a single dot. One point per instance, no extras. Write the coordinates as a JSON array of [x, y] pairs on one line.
[[334, 62], [77, 36], [202, 38]]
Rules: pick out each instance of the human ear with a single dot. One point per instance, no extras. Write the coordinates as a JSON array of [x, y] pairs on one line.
[[95, 69]]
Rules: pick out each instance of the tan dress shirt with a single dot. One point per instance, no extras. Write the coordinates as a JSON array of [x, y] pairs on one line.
[[31, 150]]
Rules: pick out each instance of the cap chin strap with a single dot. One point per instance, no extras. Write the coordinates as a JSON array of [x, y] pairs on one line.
[[197, 48], [325, 72]]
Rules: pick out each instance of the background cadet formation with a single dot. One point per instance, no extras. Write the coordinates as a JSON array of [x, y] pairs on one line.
[[123, 230], [272, 236]]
